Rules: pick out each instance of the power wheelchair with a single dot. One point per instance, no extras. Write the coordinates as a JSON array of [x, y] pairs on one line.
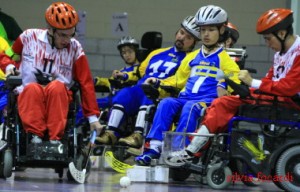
[[150, 41], [19, 152], [262, 144]]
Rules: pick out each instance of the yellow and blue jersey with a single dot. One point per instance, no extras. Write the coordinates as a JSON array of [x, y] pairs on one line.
[[161, 63], [100, 81], [196, 76]]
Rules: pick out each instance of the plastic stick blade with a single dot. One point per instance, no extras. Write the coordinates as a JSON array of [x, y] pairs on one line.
[[78, 176]]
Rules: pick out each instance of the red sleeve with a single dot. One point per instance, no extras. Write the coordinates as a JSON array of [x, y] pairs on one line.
[[17, 47], [6, 60], [83, 76], [288, 86]]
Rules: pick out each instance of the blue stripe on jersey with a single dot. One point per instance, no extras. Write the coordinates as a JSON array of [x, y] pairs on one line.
[[202, 83], [163, 64], [129, 68]]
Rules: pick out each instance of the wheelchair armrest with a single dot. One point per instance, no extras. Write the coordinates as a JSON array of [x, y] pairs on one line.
[[75, 87], [257, 91], [13, 81], [172, 90], [115, 83], [150, 91], [128, 83], [102, 89], [241, 89]]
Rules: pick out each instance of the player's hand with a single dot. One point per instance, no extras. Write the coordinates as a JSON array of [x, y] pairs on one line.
[[97, 126], [12, 71], [151, 81], [222, 92], [117, 74], [245, 77]]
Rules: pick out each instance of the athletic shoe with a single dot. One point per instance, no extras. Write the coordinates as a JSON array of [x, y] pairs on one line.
[[36, 139], [134, 140], [178, 158], [107, 138], [146, 157]]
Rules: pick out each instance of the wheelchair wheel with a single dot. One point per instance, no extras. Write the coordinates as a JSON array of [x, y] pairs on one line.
[[217, 177], [179, 174], [288, 166], [243, 169], [6, 164]]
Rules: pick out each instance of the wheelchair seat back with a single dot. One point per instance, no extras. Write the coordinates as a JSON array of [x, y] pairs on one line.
[[151, 40]]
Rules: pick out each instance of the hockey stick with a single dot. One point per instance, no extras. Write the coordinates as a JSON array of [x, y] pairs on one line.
[[78, 175], [115, 164]]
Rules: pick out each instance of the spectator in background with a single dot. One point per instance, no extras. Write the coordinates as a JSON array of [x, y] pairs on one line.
[[9, 28]]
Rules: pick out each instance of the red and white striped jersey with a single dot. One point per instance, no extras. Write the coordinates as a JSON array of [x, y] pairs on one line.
[[64, 65], [283, 78]]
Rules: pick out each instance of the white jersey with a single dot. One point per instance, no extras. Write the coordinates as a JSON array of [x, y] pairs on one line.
[[37, 54], [64, 65]]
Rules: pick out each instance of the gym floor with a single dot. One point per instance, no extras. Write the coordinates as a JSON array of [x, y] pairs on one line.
[[37, 179]]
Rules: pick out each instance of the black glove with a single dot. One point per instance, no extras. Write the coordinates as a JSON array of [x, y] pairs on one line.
[[42, 78]]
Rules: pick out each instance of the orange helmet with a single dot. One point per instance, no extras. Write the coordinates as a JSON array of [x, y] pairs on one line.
[[61, 15], [274, 20], [232, 31]]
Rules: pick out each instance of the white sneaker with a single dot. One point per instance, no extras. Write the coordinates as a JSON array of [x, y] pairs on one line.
[[36, 139], [178, 158], [55, 142]]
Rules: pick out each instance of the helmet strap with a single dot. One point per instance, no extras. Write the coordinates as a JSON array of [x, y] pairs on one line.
[[52, 37], [211, 47], [282, 41]]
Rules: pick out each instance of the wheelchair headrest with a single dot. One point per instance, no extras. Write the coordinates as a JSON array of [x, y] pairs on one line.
[[239, 55], [151, 40]]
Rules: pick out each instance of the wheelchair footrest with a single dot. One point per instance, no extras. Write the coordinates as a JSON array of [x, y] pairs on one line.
[[196, 168], [47, 151]]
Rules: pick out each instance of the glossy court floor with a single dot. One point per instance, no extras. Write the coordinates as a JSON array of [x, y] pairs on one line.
[[45, 180]]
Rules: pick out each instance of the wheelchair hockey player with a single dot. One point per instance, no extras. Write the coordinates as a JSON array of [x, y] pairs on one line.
[[51, 60]]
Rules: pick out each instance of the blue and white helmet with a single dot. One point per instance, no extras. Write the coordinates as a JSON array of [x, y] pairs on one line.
[[189, 24], [211, 15]]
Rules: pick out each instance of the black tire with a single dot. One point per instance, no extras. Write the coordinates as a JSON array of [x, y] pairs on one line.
[[7, 160], [288, 165], [60, 172], [179, 174], [217, 178], [243, 169], [1, 164], [276, 182]]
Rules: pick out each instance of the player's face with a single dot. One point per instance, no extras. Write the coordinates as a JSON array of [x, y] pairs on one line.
[[62, 37], [228, 43], [272, 42], [128, 54], [209, 35], [184, 41]]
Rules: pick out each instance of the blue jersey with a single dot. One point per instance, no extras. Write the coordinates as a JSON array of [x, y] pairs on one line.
[[197, 75], [130, 68], [160, 63]]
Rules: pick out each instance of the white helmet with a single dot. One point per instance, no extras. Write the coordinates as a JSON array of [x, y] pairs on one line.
[[127, 40], [211, 15], [189, 24]]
